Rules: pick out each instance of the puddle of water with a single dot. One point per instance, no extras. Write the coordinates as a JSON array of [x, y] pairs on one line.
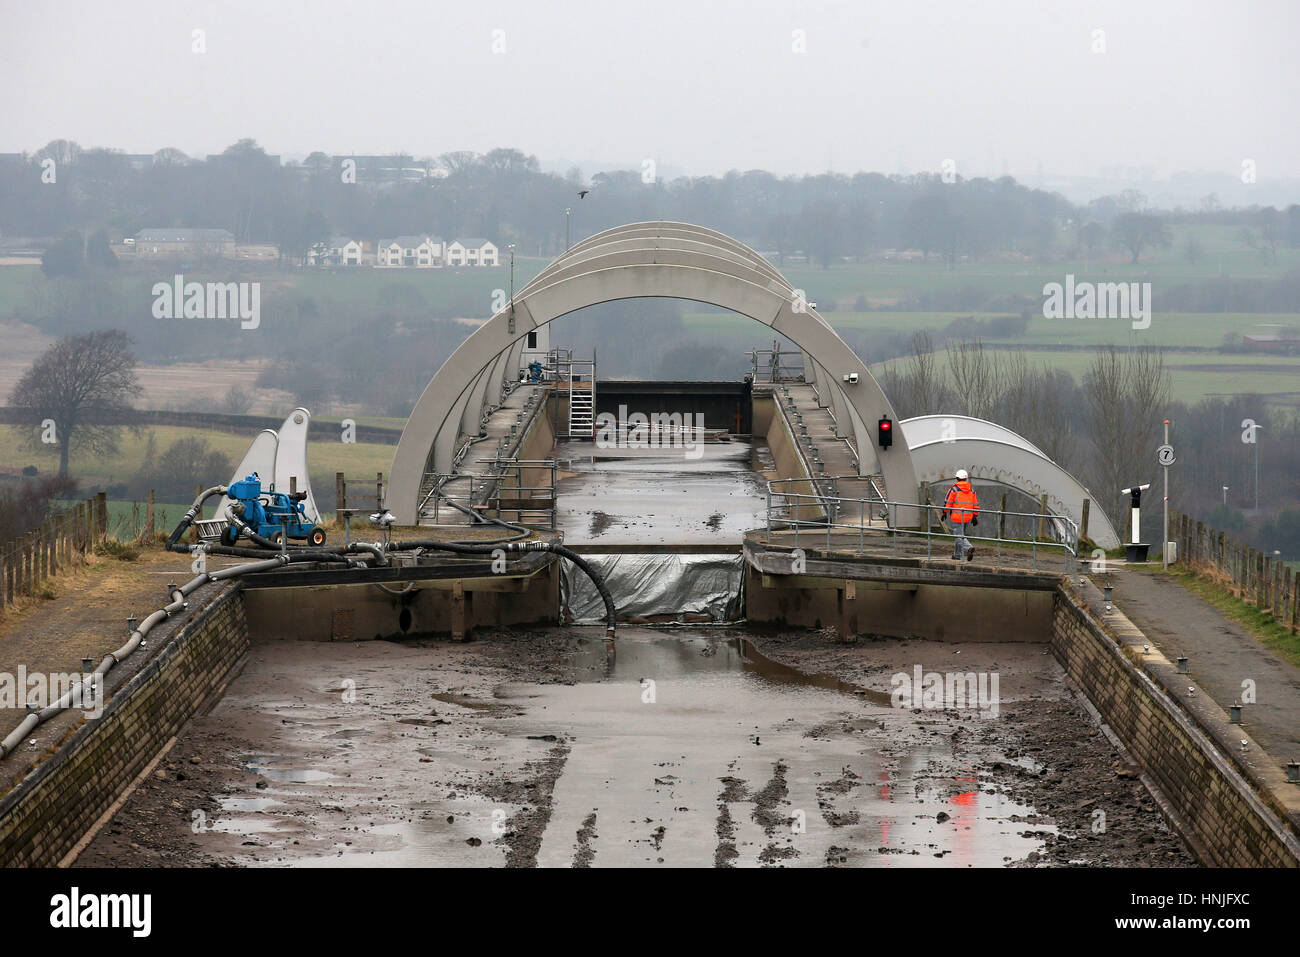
[[246, 826], [657, 495], [465, 701], [248, 803], [266, 767], [798, 769]]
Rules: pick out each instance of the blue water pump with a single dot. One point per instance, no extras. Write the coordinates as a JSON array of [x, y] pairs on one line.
[[271, 514]]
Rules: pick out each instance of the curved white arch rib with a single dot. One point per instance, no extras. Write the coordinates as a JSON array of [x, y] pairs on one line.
[[636, 261], [935, 428]]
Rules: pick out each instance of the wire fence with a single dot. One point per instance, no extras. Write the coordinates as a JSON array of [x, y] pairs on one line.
[[61, 541], [1252, 575]]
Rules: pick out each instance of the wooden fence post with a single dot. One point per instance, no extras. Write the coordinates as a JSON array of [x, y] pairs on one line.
[[1002, 518], [1083, 518], [101, 515], [1259, 578], [1041, 534], [1288, 587], [340, 491], [149, 514]]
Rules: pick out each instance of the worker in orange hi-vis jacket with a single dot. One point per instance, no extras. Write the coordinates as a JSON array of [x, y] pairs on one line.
[[961, 507]]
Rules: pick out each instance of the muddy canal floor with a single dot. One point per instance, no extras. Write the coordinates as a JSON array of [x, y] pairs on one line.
[[682, 747]]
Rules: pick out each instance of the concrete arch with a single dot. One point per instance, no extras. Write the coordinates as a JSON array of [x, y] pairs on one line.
[[1004, 457], [668, 260]]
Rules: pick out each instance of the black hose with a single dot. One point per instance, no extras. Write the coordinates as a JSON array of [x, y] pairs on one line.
[[301, 554], [611, 614], [521, 531]]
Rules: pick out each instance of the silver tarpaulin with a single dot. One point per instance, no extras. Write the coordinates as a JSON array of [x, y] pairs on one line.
[[644, 585]]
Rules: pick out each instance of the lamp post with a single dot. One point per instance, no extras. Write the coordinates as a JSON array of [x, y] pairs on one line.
[[511, 247], [1225, 496], [567, 211]]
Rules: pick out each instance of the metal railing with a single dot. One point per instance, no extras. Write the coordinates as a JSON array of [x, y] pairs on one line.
[[817, 517], [773, 365], [505, 490]]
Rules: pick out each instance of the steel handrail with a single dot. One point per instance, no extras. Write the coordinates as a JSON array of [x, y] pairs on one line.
[[781, 502]]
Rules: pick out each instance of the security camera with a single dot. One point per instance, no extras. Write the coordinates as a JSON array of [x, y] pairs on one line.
[[851, 378], [384, 519]]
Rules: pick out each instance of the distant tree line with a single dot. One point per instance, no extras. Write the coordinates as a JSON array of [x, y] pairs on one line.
[[504, 195]]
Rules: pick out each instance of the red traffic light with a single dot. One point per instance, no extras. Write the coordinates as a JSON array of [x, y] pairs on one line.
[[885, 432]]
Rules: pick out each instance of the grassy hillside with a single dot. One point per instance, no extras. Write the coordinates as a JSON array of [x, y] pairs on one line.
[[357, 460]]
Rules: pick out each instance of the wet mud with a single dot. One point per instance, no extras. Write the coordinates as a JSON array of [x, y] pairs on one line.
[[674, 747]]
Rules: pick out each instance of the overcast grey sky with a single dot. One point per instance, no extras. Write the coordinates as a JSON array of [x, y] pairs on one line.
[[701, 85]]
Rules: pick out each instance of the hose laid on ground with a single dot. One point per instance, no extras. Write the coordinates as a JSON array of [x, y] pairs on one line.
[[77, 694], [288, 556]]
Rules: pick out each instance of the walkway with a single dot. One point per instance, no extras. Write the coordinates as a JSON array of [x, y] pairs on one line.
[[1221, 655]]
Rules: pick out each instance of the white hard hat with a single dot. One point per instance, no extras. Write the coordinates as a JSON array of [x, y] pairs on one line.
[[962, 475]]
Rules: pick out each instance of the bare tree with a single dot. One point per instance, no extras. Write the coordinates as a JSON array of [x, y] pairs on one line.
[[73, 390], [913, 385], [1136, 231], [1124, 395], [975, 376], [1036, 402]]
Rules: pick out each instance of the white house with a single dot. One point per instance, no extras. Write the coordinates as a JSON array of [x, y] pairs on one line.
[[472, 252], [419, 252], [350, 252], [339, 251]]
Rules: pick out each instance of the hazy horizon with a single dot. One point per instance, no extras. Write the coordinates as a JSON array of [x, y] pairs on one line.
[[996, 88]]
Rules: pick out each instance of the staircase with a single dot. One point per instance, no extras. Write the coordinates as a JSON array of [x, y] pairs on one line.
[[576, 380], [582, 413]]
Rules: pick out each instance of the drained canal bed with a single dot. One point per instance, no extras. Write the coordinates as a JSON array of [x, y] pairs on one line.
[[708, 494], [677, 747]]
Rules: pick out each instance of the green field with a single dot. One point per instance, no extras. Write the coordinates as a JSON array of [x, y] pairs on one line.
[[1195, 375], [1199, 329], [409, 287], [324, 458], [468, 292], [1224, 254]]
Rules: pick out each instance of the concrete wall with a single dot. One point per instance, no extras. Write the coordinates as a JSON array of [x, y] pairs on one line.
[[771, 425], [1213, 803], [936, 612], [538, 443], [45, 816], [429, 609]]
